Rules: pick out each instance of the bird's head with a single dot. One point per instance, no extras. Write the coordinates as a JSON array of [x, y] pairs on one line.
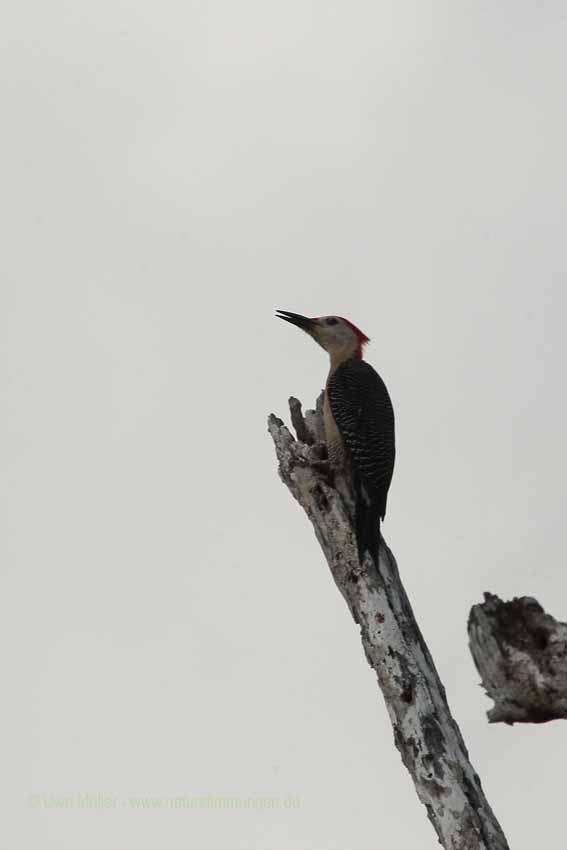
[[336, 335]]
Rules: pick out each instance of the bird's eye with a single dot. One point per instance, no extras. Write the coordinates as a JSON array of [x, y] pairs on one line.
[[332, 322]]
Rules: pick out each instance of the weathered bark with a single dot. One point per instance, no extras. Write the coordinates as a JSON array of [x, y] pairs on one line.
[[425, 733], [521, 655]]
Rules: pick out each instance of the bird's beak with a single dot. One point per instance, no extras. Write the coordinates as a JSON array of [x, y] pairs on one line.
[[302, 322]]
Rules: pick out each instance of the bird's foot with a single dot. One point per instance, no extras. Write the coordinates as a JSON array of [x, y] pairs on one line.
[[325, 470], [319, 451]]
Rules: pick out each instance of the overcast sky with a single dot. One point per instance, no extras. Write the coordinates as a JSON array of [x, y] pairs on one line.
[[172, 172]]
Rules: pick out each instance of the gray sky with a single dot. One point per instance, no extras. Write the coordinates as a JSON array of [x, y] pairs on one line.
[[172, 173]]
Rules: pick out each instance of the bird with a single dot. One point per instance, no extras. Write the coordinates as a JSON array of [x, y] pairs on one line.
[[359, 422]]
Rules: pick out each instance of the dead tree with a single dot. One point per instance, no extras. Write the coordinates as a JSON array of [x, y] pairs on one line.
[[521, 655], [425, 733]]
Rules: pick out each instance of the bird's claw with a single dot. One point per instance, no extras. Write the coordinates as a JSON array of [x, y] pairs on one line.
[[325, 470], [319, 451]]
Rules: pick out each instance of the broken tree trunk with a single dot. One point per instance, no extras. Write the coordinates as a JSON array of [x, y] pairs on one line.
[[520, 653], [425, 733]]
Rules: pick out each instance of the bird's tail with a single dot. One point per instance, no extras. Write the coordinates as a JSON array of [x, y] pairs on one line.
[[367, 521]]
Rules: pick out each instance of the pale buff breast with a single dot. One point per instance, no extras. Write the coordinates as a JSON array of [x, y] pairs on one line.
[[332, 436]]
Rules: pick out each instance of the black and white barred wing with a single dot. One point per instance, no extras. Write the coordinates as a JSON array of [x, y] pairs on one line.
[[363, 411]]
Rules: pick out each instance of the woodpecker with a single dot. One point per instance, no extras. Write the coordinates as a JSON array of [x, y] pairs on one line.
[[359, 421]]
